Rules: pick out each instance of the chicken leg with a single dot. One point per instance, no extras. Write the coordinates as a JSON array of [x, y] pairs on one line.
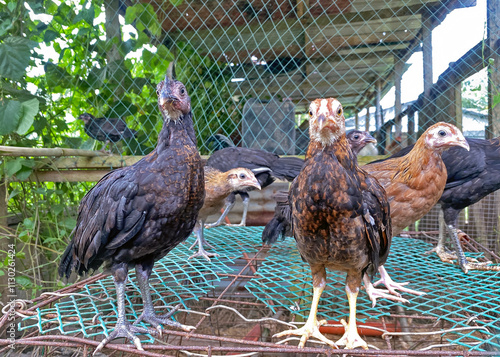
[[246, 202], [123, 328], [351, 338], [143, 272], [228, 206], [200, 239], [466, 263], [311, 328]]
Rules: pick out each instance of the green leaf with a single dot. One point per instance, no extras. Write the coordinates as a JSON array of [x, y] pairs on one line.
[[57, 77], [121, 109], [29, 110], [50, 35], [10, 113], [68, 223], [28, 223], [13, 166], [15, 53], [11, 6], [5, 26], [496, 100], [86, 15], [24, 173], [2, 273], [23, 281], [130, 15], [145, 13], [176, 2]]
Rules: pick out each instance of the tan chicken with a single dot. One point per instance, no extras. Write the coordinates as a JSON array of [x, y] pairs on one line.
[[219, 185], [414, 184]]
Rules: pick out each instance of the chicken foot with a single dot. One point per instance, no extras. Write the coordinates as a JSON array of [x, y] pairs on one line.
[[148, 314], [200, 239], [351, 338], [374, 293], [123, 328], [391, 285], [465, 263], [311, 328]]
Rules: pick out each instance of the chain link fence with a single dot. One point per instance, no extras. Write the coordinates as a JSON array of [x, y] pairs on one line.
[[253, 66]]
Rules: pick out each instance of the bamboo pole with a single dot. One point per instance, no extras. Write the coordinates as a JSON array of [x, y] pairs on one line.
[[24, 151]]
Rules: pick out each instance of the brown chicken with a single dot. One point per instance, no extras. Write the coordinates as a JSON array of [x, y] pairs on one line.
[[414, 183], [340, 217], [219, 185], [137, 214]]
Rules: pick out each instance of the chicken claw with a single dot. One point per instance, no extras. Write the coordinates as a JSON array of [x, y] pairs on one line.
[[310, 329], [374, 293], [391, 285], [351, 338], [201, 250], [157, 320], [470, 264], [124, 329]]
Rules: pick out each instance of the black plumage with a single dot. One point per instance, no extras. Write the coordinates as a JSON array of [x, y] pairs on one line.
[[472, 175], [106, 129], [135, 215]]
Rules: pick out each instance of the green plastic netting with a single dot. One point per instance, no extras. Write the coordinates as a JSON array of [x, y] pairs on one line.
[[284, 281]]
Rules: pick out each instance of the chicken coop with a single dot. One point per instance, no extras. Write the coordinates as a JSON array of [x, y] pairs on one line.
[[251, 69]]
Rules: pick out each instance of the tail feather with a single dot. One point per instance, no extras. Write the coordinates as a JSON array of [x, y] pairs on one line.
[[67, 262], [287, 168], [281, 224]]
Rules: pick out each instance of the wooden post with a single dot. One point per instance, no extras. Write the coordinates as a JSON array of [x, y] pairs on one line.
[[493, 16], [356, 120], [425, 113], [398, 73], [411, 127], [367, 118], [493, 30], [378, 108], [4, 238]]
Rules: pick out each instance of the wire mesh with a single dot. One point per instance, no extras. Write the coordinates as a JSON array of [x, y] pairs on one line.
[[467, 304], [252, 67]]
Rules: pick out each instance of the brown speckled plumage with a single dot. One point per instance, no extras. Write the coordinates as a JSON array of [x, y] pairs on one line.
[[340, 215]]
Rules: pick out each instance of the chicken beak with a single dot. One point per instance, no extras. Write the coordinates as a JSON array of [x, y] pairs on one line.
[[321, 121], [256, 184], [370, 139], [463, 143]]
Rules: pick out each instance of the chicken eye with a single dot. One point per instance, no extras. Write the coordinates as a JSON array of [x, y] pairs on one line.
[[442, 133], [356, 137], [310, 113], [243, 176], [339, 111], [182, 91]]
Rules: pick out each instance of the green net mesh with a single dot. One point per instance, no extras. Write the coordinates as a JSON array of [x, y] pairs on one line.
[[283, 281]]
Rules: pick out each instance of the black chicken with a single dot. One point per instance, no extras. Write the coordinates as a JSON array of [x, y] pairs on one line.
[[359, 139], [106, 129], [284, 168], [340, 217], [471, 176], [135, 215]]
